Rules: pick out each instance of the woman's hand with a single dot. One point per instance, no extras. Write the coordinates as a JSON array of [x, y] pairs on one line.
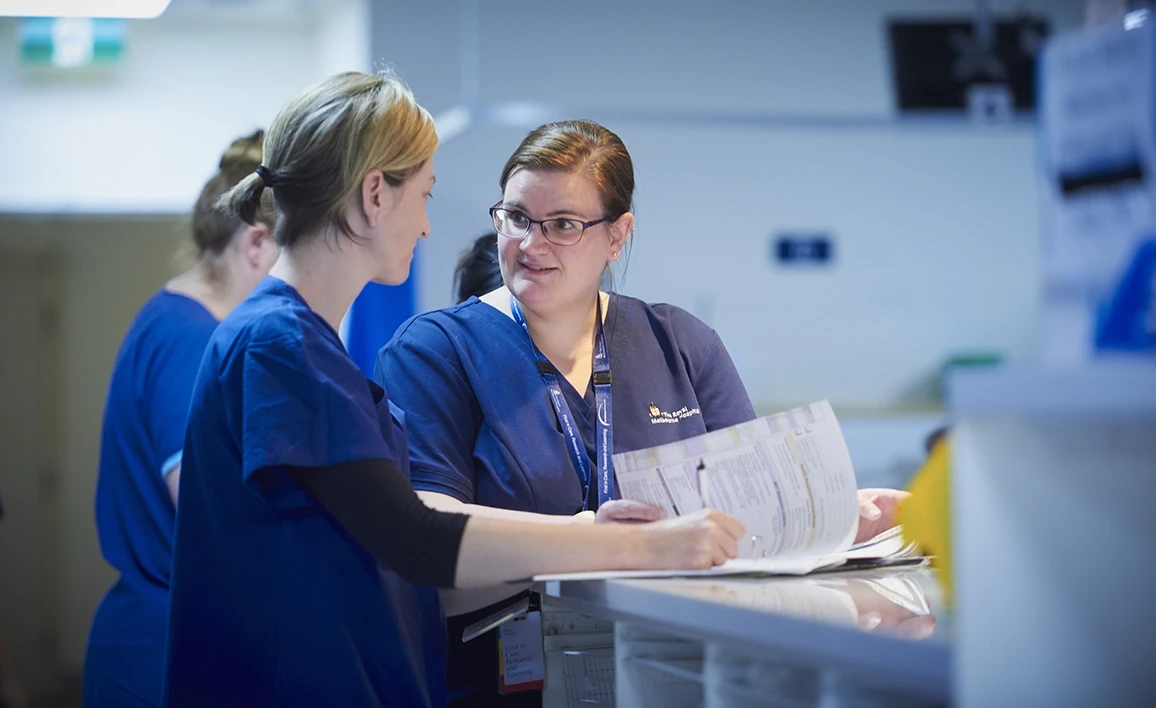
[[695, 541], [877, 509], [626, 511]]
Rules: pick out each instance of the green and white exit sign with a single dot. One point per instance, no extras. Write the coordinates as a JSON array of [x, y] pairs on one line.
[[71, 42]]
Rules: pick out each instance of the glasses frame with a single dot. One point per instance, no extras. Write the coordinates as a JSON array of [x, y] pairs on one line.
[[542, 224]]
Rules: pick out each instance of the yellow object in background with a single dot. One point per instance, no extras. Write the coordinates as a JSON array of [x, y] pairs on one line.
[[926, 514]]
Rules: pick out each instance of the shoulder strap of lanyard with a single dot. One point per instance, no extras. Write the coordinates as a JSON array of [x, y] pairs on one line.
[[603, 434]]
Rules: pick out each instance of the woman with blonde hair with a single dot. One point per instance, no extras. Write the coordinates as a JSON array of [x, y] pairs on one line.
[[296, 467]]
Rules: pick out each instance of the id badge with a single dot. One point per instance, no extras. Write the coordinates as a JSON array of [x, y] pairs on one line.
[[521, 660]]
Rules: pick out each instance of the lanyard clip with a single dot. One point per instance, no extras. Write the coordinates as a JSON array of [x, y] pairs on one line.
[[601, 378]]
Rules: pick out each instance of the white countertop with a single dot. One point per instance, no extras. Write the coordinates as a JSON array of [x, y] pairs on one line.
[[851, 622]]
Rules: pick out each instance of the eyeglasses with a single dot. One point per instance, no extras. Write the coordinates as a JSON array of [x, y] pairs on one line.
[[512, 223]]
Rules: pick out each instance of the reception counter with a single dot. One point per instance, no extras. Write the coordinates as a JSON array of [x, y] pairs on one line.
[[878, 637]]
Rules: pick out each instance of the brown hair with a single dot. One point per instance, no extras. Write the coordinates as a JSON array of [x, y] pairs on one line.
[[322, 143], [580, 146], [213, 228]]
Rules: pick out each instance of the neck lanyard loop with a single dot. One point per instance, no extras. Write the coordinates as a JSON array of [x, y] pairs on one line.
[[603, 433]]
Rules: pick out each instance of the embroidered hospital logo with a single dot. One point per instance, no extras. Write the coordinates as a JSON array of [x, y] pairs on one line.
[[659, 416]]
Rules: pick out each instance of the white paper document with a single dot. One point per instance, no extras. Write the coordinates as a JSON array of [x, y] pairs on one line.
[[788, 477]]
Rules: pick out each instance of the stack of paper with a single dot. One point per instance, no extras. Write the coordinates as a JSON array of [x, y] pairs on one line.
[[788, 477]]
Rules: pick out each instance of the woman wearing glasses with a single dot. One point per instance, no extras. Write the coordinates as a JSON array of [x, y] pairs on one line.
[[508, 397]]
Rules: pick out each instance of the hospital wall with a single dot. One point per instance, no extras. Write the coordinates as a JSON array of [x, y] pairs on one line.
[[142, 136], [935, 228], [108, 268]]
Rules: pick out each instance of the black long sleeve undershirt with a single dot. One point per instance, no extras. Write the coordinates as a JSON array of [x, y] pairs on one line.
[[374, 502]]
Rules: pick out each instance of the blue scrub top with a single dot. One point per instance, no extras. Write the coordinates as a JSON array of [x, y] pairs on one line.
[[141, 440], [273, 603], [481, 426]]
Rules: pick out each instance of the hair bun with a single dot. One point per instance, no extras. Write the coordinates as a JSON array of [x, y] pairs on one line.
[[244, 154]]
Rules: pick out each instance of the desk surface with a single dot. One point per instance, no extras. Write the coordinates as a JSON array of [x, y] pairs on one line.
[[885, 626]]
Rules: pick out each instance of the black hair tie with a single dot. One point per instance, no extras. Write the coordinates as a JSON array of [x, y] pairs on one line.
[[265, 175]]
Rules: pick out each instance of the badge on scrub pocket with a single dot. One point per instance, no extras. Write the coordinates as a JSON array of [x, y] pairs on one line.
[[521, 661]]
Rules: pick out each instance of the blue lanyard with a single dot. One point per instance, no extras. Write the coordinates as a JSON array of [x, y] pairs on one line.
[[603, 434]]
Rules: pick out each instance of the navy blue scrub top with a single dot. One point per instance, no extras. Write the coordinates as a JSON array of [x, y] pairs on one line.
[[273, 603], [141, 440], [481, 426]]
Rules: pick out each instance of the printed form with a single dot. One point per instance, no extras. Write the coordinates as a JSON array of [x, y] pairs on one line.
[[788, 477]]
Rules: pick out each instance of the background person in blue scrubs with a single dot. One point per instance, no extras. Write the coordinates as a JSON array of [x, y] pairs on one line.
[[485, 431], [295, 482], [144, 432]]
